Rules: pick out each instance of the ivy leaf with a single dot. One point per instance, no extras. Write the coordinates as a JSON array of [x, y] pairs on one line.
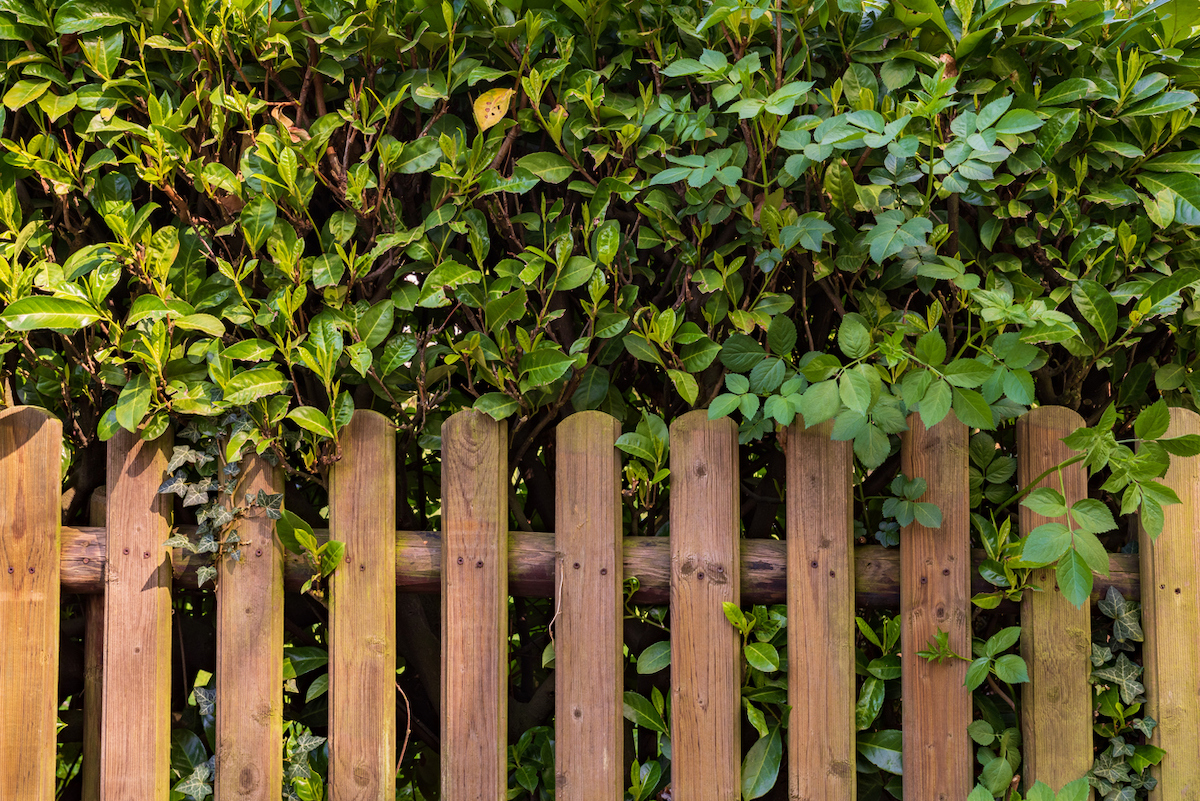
[[1123, 674], [1125, 614]]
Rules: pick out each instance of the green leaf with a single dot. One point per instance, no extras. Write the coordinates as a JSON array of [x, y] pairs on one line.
[[973, 410], [544, 366], [640, 712], [656, 657], [781, 336], [762, 656], [741, 353], [936, 403], [997, 775], [420, 155], [882, 749], [1046, 544], [374, 326], [1074, 578], [1046, 502], [977, 673], [304, 659], [84, 16], [257, 219], [872, 447], [40, 311], [246, 387], [760, 769], [1122, 674], [1127, 626], [1011, 669], [331, 555], [642, 349], [134, 402], [312, 419], [550, 167], [967, 372], [1152, 422], [286, 527], [1018, 121], [685, 385], [1097, 307], [1093, 516], [496, 404], [854, 336]]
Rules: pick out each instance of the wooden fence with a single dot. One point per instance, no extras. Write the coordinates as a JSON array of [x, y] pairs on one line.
[[476, 563]]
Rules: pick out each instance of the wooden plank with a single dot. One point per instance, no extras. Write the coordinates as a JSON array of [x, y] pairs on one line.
[[136, 720], [362, 613], [820, 561], [935, 593], [1170, 619], [1056, 638], [93, 667], [531, 568], [589, 750], [474, 608], [30, 475], [706, 662], [249, 675]]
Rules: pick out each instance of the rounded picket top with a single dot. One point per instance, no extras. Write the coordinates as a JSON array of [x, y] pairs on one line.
[[22, 424]]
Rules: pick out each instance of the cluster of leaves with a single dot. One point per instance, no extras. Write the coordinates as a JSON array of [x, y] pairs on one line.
[[1120, 772], [249, 220]]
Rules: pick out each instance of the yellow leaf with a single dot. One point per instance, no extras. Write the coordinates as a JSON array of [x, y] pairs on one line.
[[491, 106]]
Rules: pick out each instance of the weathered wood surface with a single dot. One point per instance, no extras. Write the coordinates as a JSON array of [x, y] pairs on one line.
[[1056, 637], [531, 567], [935, 593], [93, 667], [706, 660], [362, 614], [136, 720], [588, 657], [475, 485], [249, 675], [30, 467], [820, 561], [1170, 620]]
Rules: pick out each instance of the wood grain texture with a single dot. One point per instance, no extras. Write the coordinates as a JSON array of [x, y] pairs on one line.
[[136, 721], [820, 562], [362, 614], [589, 748], [1056, 638], [249, 675], [531, 568], [474, 608], [706, 661], [1170, 620], [935, 593], [30, 470], [93, 666]]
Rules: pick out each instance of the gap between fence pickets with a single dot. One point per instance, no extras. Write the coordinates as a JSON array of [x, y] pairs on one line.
[[531, 567]]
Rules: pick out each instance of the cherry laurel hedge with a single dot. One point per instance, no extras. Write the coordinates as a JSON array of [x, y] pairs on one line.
[[245, 220]]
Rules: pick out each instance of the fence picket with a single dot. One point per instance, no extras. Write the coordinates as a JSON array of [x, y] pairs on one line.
[[136, 720], [589, 748], [30, 467], [820, 598], [1056, 637], [249, 675], [706, 665], [1170, 619], [935, 593], [362, 613], [474, 608]]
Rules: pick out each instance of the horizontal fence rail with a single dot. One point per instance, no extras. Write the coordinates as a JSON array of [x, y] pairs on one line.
[[531, 556], [475, 563]]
